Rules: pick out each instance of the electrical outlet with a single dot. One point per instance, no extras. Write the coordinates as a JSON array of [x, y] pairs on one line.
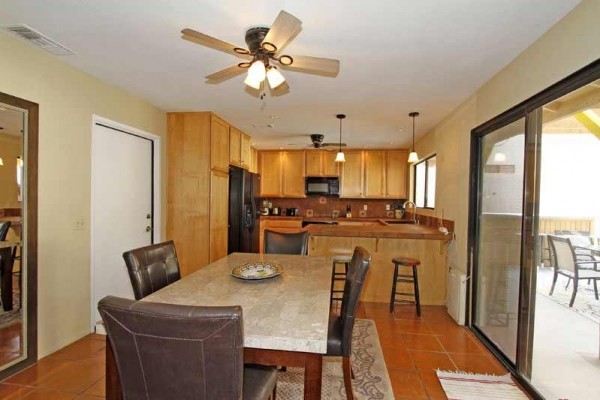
[[362, 213], [78, 224], [322, 200], [365, 207], [388, 207]]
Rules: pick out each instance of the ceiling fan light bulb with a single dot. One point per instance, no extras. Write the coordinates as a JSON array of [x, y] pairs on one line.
[[257, 71], [340, 157], [274, 77], [413, 157]]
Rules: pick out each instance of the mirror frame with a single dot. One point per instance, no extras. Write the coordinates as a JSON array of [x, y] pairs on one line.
[[31, 230]]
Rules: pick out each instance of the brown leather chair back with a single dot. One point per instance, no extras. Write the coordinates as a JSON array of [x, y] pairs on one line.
[[4, 226], [167, 351], [286, 243], [151, 268], [355, 278]]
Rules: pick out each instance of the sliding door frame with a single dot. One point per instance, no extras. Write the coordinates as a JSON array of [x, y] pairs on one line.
[[531, 110]]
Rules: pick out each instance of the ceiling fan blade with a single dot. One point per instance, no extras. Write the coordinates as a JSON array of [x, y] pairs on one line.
[[283, 30], [314, 65], [224, 74], [333, 144], [214, 43]]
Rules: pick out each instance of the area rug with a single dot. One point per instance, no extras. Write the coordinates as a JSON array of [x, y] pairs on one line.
[[585, 301], [13, 316], [465, 386], [371, 376]]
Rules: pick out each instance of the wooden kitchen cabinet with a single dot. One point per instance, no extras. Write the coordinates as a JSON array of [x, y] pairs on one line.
[[198, 189], [352, 174], [282, 174], [396, 167], [219, 144], [375, 167], [235, 146], [219, 214], [293, 174], [245, 152], [321, 163], [270, 173], [253, 160]]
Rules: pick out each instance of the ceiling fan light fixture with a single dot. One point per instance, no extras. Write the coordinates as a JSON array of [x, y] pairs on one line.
[[274, 77], [256, 74]]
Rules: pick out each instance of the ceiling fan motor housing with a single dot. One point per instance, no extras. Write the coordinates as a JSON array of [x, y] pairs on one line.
[[255, 37], [317, 139]]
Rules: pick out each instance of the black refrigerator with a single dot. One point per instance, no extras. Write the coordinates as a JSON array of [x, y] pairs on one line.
[[243, 231]]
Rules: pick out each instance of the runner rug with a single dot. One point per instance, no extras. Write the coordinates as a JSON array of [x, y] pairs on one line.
[[465, 386], [371, 376]]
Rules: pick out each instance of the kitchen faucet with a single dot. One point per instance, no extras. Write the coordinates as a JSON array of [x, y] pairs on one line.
[[414, 207]]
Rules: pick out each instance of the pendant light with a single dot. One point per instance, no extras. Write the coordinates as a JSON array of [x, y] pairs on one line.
[[1, 162], [340, 155], [413, 157]]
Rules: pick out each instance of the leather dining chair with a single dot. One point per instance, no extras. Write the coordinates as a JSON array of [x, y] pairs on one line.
[[151, 268], [286, 243], [168, 351], [4, 226], [339, 337]]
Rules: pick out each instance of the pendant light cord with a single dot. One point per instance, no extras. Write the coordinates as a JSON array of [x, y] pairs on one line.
[[413, 146], [340, 135]]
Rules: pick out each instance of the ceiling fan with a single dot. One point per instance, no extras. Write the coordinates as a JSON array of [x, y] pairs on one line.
[[317, 142], [264, 54]]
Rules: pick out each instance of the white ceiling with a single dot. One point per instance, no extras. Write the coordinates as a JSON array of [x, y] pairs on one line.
[[396, 56]]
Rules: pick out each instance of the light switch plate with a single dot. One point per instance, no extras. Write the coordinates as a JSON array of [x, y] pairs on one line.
[[388, 207], [365, 207], [78, 224]]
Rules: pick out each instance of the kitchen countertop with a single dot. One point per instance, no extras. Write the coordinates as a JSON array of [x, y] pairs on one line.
[[401, 231], [379, 229]]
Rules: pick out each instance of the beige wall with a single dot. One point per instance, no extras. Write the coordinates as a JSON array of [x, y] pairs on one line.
[[10, 149], [570, 45], [67, 99]]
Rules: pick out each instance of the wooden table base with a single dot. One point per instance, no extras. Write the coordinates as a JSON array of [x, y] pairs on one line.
[[311, 362]]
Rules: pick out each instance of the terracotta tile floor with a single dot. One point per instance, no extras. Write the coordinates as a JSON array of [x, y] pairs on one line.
[[413, 348]]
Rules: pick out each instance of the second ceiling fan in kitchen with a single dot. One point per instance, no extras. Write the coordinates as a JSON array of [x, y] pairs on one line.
[[264, 55]]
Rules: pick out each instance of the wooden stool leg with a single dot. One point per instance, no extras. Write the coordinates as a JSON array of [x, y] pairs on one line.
[[332, 282], [416, 283], [393, 297]]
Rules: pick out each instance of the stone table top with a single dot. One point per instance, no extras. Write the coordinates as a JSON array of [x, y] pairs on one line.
[[288, 312]]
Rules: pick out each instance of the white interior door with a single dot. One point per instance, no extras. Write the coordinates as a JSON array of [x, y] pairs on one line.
[[122, 192]]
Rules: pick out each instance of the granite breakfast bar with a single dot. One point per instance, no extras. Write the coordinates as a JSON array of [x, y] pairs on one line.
[[385, 242]]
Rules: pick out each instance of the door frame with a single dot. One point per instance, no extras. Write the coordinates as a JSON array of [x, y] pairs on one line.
[[528, 109], [156, 195]]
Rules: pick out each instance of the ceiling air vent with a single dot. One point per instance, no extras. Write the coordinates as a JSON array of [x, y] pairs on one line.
[[39, 40]]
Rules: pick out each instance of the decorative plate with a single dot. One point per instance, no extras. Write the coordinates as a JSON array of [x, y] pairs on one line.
[[257, 270]]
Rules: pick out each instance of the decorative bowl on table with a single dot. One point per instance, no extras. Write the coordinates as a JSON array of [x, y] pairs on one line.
[[253, 271]]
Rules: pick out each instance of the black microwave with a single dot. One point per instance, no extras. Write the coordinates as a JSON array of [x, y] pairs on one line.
[[317, 186]]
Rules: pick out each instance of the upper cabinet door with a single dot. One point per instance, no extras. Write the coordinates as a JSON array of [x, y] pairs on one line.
[[313, 163], [270, 174], [374, 174], [235, 137], [328, 165], [293, 174], [396, 171], [245, 152], [219, 144], [352, 175]]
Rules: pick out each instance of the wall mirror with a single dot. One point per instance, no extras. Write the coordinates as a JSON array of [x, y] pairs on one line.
[[18, 233]]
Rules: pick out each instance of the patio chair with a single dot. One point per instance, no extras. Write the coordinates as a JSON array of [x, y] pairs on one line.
[[566, 263]]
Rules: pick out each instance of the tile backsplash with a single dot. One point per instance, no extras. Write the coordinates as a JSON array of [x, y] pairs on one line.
[[323, 206]]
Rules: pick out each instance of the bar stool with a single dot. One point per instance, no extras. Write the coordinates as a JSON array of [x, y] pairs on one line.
[[405, 278], [338, 276]]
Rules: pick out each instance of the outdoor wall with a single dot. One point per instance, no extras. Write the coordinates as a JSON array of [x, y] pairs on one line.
[[67, 98], [568, 46]]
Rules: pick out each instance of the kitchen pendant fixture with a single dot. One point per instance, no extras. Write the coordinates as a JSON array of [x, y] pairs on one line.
[[1, 162], [340, 155], [413, 157]]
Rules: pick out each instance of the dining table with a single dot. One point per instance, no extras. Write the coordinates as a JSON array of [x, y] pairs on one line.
[[6, 271], [285, 317]]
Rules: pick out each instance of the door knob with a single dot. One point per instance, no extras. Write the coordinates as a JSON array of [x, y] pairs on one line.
[[148, 229]]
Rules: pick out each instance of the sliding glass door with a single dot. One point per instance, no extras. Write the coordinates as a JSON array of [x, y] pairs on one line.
[[533, 183]]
